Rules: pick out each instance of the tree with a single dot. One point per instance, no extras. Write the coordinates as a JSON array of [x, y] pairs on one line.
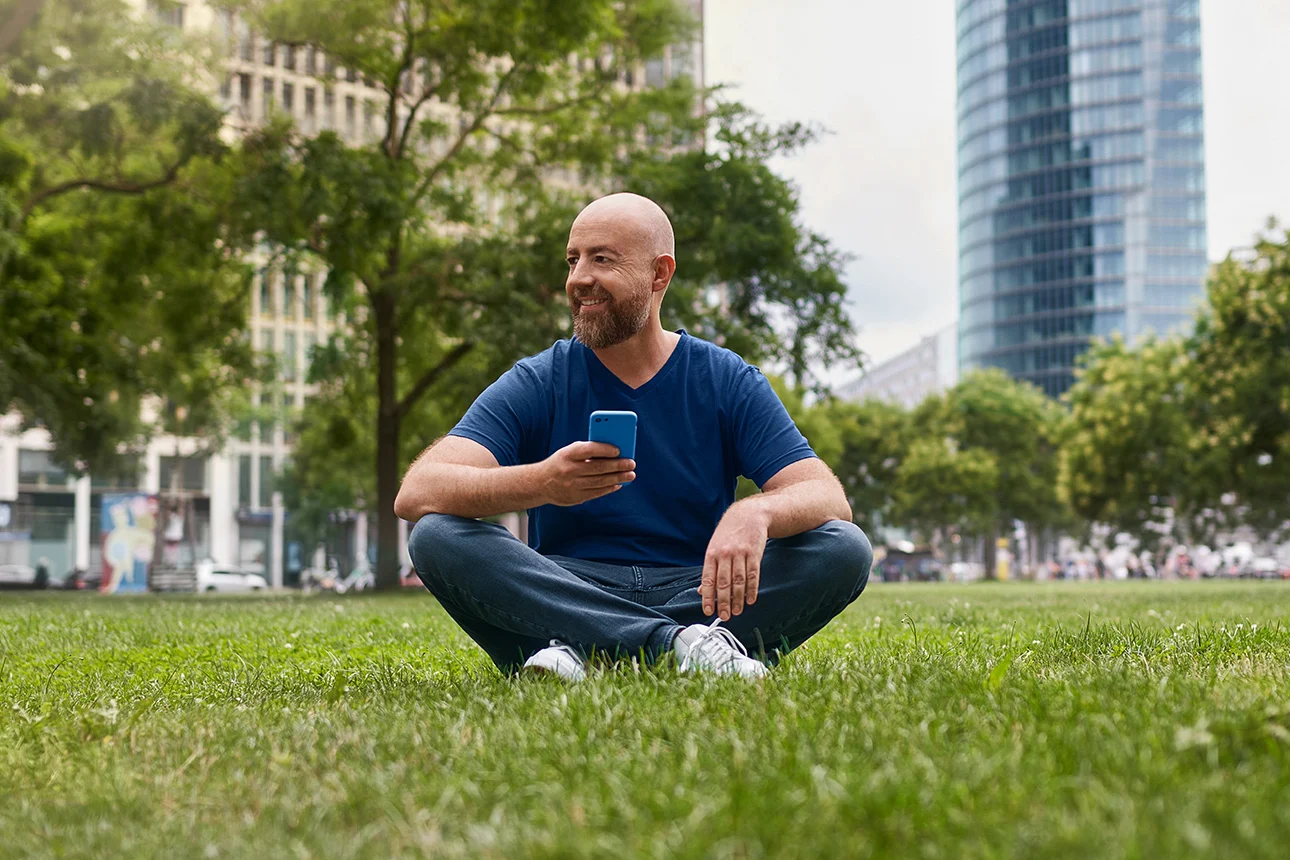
[[998, 430], [481, 104], [942, 486], [476, 100], [874, 442], [120, 280], [1128, 455], [1240, 360]]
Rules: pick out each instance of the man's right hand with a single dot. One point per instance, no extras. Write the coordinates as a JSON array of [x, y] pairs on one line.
[[584, 471]]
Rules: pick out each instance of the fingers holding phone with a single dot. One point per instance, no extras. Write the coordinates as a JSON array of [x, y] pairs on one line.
[[582, 471]]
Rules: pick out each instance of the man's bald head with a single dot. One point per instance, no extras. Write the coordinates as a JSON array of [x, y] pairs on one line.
[[621, 256], [634, 217]]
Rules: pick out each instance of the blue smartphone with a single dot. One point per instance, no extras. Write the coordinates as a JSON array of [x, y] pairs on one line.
[[615, 428]]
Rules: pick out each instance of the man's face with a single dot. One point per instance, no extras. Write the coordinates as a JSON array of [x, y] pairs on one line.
[[609, 284]]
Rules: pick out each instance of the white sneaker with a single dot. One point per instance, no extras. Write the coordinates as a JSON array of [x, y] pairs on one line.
[[559, 659], [715, 649]]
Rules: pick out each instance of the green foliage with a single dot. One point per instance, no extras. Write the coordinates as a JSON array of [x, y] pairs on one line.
[[983, 455], [1085, 720], [1192, 436], [120, 279], [449, 231], [1241, 358], [1126, 456], [738, 234]]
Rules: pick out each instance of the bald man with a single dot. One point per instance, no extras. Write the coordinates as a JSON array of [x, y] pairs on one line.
[[651, 557]]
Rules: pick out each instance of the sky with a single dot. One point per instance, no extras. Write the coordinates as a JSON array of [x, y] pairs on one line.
[[880, 75]]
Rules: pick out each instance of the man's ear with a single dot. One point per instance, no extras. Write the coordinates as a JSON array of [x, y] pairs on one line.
[[664, 268]]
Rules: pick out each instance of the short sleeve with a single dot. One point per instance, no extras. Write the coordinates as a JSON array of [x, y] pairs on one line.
[[765, 437], [509, 417]]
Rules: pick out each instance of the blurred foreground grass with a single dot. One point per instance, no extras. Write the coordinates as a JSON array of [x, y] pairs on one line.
[[1116, 719]]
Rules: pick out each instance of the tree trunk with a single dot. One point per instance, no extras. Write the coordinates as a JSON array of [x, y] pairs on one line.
[[387, 442], [992, 553]]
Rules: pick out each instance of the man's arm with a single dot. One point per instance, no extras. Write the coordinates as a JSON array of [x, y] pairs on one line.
[[801, 496], [461, 477]]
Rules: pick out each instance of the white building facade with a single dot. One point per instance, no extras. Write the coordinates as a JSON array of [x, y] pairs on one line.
[[927, 368]]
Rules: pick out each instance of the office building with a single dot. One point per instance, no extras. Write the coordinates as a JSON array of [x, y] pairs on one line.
[[1081, 178], [928, 368]]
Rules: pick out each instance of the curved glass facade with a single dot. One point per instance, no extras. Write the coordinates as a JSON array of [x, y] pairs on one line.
[[1081, 178]]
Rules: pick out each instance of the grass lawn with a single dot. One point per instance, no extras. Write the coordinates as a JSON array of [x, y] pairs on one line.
[[1110, 720]]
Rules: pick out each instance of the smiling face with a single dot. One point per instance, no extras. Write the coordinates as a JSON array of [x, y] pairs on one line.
[[613, 258]]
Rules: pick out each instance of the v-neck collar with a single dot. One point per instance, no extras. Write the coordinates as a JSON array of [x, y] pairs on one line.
[[654, 381]]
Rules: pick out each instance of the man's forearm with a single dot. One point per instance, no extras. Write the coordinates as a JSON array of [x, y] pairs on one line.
[[801, 507], [470, 491]]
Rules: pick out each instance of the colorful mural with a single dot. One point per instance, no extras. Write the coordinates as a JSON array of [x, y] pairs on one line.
[[129, 532]]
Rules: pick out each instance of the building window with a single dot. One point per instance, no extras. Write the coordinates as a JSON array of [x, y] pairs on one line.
[[38, 468], [368, 110], [288, 98], [310, 111], [266, 481], [266, 294], [245, 43], [289, 356], [289, 57], [289, 295], [266, 340], [244, 481], [191, 475], [270, 52], [266, 105], [307, 297], [167, 14], [310, 340], [329, 108], [311, 60], [244, 94], [125, 476], [351, 76], [225, 89], [349, 116]]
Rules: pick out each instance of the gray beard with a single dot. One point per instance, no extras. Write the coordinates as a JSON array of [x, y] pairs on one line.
[[620, 322]]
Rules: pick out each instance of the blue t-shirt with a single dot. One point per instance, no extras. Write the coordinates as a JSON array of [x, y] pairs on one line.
[[704, 419]]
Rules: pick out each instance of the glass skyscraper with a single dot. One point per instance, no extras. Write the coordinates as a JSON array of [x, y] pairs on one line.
[[1081, 178]]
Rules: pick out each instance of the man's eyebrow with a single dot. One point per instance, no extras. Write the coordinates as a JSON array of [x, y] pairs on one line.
[[597, 249]]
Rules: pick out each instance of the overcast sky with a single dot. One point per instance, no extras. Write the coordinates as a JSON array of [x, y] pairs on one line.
[[880, 75]]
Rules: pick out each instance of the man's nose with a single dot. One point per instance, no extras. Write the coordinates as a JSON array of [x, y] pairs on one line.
[[580, 275]]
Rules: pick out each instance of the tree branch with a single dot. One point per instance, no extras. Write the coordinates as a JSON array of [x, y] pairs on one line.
[[101, 185], [485, 113], [432, 375]]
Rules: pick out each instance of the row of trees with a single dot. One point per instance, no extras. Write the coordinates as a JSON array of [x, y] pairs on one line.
[[1174, 440]]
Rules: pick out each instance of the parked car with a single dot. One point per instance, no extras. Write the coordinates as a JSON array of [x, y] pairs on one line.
[[23, 576], [212, 577], [78, 579]]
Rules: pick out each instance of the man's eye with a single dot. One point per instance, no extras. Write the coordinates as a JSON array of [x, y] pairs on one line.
[[572, 261], [601, 259]]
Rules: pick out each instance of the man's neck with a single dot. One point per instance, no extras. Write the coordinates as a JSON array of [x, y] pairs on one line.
[[636, 360]]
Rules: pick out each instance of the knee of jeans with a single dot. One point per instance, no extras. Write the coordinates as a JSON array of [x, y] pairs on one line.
[[432, 535], [849, 554]]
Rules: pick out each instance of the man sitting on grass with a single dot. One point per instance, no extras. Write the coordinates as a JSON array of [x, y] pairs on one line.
[[629, 557]]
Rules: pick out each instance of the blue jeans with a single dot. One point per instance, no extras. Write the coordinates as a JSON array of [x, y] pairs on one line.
[[513, 601]]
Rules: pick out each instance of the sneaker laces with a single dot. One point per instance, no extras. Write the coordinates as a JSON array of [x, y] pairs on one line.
[[557, 645], [716, 636]]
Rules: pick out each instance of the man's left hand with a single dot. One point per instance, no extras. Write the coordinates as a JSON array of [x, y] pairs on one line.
[[732, 565]]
